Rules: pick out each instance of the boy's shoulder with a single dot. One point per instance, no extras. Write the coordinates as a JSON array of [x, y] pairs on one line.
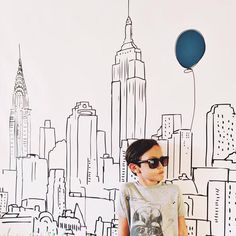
[[126, 185], [128, 188], [172, 187]]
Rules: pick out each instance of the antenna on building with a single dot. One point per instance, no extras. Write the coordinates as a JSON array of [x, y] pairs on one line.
[[128, 7], [19, 52]]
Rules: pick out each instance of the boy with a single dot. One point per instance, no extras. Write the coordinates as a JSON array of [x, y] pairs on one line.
[[149, 207]]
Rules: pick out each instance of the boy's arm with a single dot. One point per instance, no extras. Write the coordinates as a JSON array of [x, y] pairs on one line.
[[123, 227], [182, 226]]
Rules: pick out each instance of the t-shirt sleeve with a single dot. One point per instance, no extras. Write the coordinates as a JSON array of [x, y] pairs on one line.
[[122, 203], [181, 207]]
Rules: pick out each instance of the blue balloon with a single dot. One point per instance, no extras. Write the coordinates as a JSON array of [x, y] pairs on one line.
[[189, 48]]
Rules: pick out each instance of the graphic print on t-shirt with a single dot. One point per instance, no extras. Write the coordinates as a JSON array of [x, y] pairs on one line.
[[147, 221]]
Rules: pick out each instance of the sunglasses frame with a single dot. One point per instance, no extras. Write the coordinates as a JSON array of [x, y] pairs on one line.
[[154, 165]]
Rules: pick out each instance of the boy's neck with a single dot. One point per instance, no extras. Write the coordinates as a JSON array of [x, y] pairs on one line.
[[145, 182]]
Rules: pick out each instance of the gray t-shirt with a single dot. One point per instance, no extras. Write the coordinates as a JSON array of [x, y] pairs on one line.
[[151, 210]]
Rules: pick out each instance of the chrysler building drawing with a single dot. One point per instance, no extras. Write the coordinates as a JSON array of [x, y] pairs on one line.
[[19, 122]]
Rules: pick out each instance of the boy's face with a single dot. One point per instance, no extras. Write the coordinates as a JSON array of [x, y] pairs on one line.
[[147, 175]]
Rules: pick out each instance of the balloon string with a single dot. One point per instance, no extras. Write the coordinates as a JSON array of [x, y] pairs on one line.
[[190, 70]]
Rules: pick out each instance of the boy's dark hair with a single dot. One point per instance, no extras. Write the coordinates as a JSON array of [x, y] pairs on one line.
[[138, 148]]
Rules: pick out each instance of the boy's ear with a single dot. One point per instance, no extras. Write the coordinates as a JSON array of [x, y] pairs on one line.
[[134, 168]]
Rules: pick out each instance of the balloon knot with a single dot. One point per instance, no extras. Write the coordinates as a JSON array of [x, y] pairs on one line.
[[188, 70]]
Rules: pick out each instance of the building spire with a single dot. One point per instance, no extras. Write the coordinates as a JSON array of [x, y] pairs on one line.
[[20, 69], [20, 97], [128, 41]]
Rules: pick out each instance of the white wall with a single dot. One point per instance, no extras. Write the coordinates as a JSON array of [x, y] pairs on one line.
[[68, 49]]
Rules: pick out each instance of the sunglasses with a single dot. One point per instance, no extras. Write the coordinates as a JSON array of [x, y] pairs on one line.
[[154, 162]]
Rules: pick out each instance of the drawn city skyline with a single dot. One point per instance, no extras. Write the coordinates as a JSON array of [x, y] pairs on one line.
[[51, 191]]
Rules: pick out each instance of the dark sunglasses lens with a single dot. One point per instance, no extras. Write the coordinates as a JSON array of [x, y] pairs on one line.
[[153, 163], [164, 161]]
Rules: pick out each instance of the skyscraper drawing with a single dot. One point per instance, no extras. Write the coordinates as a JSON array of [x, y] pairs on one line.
[[81, 136], [6, 177], [19, 121], [180, 152], [128, 105], [56, 196], [32, 178], [177, 144], [3, 201], [221, 137], [170, 123], [47, 139], [221, 210]]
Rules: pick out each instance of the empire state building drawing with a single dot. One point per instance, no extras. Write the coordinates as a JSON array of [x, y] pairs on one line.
[[128, 94], [19, 122]]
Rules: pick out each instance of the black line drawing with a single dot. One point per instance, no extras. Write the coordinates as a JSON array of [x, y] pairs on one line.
[[19, 120], [194, 95], [128, 119], [70, 186]]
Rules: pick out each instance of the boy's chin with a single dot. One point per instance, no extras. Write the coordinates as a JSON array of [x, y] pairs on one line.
[[160, 178]]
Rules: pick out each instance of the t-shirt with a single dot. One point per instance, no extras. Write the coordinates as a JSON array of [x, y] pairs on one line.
[[151, 210]]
